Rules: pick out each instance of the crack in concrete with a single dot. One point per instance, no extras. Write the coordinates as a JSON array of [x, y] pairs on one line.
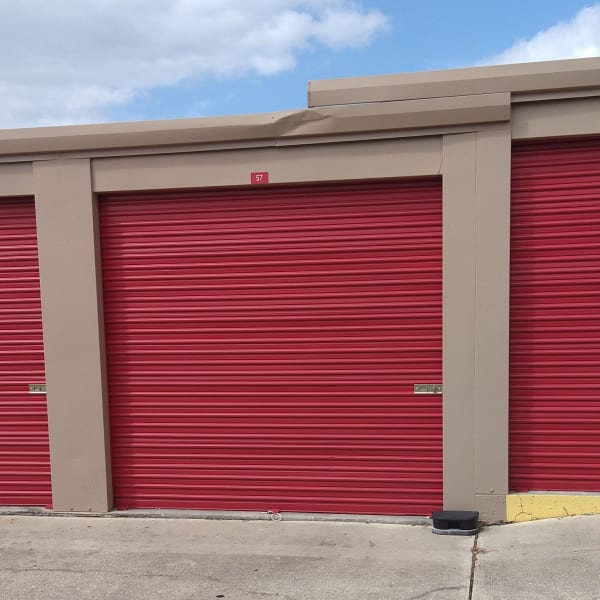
[[474, 554]]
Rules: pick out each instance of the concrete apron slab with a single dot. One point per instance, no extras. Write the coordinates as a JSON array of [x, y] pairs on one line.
[[91, 558], [539, 560]]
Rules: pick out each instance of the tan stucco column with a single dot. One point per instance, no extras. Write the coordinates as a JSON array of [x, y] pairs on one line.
[[492, 320], [73, 336], [476, 170], [459, 192]]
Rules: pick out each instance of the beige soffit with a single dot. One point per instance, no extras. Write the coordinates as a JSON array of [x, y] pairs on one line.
[[385, 116], [548, 76]]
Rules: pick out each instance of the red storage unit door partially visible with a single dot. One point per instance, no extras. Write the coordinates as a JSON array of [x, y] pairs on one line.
[[24, 451], [555, 317], [263, 345]]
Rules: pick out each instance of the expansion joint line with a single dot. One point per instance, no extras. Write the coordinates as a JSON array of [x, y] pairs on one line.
[[474, 552]]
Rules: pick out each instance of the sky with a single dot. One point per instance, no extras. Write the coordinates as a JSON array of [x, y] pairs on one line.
[[74, 61]]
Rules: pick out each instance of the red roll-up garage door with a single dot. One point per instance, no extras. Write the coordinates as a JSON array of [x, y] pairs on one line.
[[555, 317], [24, 452], [263, 346]]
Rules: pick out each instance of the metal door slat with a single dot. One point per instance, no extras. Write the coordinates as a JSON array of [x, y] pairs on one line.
[[555, 316], [263, 346]]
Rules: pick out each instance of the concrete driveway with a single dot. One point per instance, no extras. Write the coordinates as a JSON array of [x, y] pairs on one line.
[[88, 558], [554, 559]]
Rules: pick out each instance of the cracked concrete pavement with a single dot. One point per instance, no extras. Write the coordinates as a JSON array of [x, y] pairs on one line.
[[92, 558], [59, 558], [539, 560]]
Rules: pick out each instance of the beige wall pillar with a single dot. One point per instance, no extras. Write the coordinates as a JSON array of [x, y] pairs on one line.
[[73, 335], [476, 169], [459, 213], [492, 276]]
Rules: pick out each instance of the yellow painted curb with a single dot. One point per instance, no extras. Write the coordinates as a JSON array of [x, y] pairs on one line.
[[531, 507]]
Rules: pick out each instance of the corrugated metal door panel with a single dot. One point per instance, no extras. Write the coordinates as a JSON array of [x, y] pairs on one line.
[[555, 316], [24, 451], [263, 346]]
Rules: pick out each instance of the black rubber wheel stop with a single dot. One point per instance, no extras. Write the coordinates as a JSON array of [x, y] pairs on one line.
[[455, 522]]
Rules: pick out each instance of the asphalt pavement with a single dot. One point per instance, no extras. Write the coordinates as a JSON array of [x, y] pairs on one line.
[[93, 558]]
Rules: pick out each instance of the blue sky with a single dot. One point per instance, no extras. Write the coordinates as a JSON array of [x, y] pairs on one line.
[[66, 61], [422, 35]]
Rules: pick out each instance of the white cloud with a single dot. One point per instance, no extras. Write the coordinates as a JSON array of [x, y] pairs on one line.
[[578, 38], [68, 61]]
